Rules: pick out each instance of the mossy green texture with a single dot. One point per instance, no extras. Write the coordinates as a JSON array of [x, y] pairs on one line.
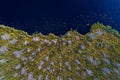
[[73, 56]]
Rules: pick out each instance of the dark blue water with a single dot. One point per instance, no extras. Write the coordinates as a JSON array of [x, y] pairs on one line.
[[59, 16]]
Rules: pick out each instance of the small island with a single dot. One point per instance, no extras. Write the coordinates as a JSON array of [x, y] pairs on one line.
[[72, 56]]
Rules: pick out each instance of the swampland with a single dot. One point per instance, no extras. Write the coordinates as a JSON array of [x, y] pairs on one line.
[[73, 56]]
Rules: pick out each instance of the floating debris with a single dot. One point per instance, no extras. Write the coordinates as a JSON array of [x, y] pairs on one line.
[[40, 66], [30, 76], [106, 61], [40, 77], [89, 72], [99, 32], [18, 66], [106, 71], [3, 49], [13, 41], [18, 54], [3, 60], [77, 61], [90, 59], [25, 43], [5, 37], [35, 39], [83, 47], [92, 36]]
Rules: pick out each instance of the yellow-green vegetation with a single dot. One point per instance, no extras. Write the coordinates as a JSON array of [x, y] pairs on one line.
[[73, 56]]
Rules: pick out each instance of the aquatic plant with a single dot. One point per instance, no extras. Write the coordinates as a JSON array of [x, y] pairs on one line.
[[73, 56]]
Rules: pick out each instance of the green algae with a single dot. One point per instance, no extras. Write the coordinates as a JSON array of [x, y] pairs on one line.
[[72, 56]]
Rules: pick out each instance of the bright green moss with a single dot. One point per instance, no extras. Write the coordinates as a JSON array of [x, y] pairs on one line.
[[93, 56]]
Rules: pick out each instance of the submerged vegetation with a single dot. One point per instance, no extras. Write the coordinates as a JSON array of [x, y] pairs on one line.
[[73, 56]]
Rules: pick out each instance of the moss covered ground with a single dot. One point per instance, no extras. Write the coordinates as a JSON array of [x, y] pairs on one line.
[[72, 56]]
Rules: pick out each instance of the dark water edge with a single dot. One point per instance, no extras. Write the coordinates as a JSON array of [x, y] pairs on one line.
[[60, 25]]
